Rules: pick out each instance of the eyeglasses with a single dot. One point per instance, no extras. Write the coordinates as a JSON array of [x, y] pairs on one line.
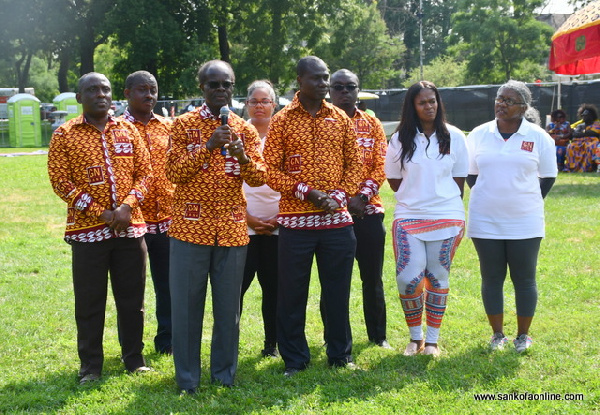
[[216, 84], [254, 103], [508, 101], [349, 87]]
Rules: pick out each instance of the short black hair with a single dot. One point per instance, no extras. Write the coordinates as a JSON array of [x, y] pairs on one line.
[[305, 62], [207, 65], [84, 78], [137, 77]]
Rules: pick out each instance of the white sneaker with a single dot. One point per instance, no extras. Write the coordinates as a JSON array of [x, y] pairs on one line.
[[498, 341], [522, 343]]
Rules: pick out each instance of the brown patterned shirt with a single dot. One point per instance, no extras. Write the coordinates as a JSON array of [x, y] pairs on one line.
[[209, 204], [94, 171], [302, 153], [372, 144], [157, 205]]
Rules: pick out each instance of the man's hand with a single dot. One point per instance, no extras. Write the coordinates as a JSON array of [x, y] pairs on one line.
[[356, 206], [121, 218], [236, 149], [261, 227], [221, 137], [323, 201]]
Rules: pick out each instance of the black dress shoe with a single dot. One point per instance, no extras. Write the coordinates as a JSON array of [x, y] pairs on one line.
[[90, 377], [190, 391], [290, 371], [269, 352]]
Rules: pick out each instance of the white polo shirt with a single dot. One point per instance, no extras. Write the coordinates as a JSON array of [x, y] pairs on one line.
[[428, 190], [506, 201]]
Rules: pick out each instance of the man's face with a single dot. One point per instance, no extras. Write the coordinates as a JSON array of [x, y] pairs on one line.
[[344, 90], [142, 96], [314, 83], [95, 95], [218, 87]]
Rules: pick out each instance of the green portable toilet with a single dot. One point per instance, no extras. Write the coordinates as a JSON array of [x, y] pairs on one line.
[[24, 123], [67, 102]]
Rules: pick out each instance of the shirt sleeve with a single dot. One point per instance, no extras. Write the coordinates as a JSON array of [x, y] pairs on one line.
[[547, 162], [392, 158], [185, 157], [375, 177], [352, 165], [142, 175], [461, 165], [254, 172], [274, 155], [471, 148]]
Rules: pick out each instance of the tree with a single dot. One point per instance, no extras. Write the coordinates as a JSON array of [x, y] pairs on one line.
[[443, 71], [497, 38], [358, 41]]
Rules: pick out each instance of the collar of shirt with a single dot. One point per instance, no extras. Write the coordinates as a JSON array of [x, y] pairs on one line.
[[127, 115], [206, 114], [82, 120], [325, 110]]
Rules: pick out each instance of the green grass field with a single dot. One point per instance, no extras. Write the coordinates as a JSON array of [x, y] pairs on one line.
[[39, 363]]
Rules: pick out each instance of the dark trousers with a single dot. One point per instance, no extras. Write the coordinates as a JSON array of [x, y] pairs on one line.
[[125, 260], [334, 250], [520, 256], [158, 253], [261, 260], [370, 246]]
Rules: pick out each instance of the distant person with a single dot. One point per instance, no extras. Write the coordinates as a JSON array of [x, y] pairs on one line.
[[99, 165], [582, 149], [426, 165], [313, 161], [362, 105], [512, 168], [209, 162], [560, 131], [141, 91], [365, 205], [261, 215]]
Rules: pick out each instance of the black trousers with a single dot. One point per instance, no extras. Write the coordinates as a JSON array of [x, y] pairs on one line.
[[334, 250], [261, 260], [125, 260], [370, 247], [158, 253]]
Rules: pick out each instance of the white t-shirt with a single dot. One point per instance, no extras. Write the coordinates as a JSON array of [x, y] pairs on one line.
[[506, 201], [428, 190], [263, 202]]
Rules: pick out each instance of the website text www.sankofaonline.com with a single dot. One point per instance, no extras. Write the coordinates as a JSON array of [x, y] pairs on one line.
[[527, 396]]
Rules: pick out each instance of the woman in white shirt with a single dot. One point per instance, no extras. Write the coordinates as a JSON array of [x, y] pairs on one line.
[[261, 215], [512, 167], [426, 165]]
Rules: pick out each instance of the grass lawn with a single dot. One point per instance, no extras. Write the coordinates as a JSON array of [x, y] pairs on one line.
[[39, 363]]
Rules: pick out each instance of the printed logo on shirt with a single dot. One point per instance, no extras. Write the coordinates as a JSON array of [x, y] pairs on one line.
[[71, 212], [123, 144], [238, 214], [192, 211], [527, 146], [367, 156], [294, 164], [95, 175], [362, 126], [195, 136]]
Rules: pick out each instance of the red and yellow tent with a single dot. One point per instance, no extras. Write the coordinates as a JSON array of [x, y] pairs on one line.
[[575, 46]]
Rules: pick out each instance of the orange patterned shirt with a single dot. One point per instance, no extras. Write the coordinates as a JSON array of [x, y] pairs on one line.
[[209, 205], [94, 171], [302, 153], [157, 205], [372, 144]]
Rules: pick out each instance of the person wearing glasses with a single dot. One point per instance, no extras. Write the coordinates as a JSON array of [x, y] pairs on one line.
[[261, 215], [512, 167], [581, 152], [365, 205], [209, 162], [314, 162], [426, 165]]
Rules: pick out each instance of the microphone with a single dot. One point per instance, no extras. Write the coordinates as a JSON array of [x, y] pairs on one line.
[[224, 114]]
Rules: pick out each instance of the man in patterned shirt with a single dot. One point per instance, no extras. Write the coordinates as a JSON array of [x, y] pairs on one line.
[[209, 163], [313, 161], [141, 91], [100, 166], [366, 205]]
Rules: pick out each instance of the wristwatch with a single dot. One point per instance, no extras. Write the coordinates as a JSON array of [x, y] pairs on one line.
[[363, 197]]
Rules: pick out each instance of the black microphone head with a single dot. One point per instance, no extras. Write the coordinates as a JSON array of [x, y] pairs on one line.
[[224, 112]]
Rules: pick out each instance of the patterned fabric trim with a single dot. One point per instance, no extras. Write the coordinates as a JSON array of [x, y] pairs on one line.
[[416, 226], [103, 232], [340, 197], [159, 227], [302, 190], [318, 220]]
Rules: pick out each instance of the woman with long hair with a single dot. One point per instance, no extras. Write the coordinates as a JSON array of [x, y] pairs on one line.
[[426, 165]]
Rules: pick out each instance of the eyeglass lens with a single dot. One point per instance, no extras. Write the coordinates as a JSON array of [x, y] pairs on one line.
[[349, 87], [216, 84]]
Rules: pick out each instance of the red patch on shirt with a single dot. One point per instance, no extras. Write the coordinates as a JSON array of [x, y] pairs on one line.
[[294, 164], [194, 136], [123, 145], [362, 126], [192, 211], [527, 146], [95, 175], [238, 214], [367, 156]]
